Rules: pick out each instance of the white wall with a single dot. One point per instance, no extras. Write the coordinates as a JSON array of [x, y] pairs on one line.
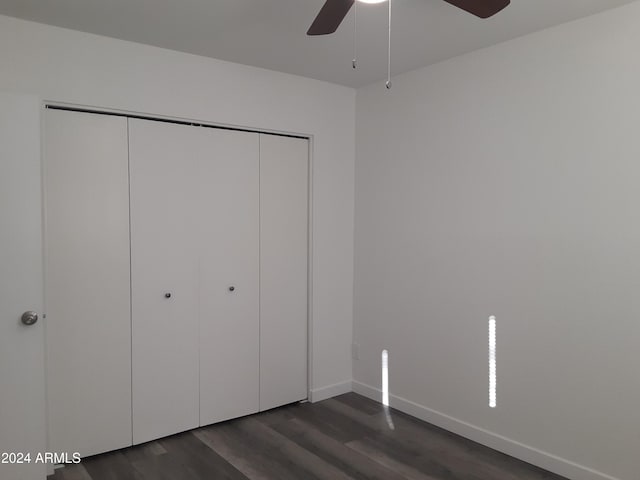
[[507, 182], [66, 66]]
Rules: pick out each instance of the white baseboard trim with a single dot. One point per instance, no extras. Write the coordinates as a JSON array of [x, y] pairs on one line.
[[545, 460], [330, 391]]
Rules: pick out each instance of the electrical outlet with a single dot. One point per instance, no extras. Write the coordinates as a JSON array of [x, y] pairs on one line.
[[355, 351]]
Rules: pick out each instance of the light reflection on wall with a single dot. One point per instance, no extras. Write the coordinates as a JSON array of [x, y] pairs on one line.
[[385, 388], [492, 362]]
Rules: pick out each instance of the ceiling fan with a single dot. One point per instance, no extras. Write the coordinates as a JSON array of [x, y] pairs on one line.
[[333, 12]]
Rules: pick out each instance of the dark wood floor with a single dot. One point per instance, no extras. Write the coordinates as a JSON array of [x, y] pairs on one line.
[[344, 438]]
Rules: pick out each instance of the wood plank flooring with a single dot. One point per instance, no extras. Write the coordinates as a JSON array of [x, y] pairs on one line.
[[344, 438]]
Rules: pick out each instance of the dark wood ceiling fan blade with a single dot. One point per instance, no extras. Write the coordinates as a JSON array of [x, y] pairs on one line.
[[330, 17], [480, 8]]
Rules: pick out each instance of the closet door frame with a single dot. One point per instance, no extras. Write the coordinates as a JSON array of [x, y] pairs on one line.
[[210, 124]]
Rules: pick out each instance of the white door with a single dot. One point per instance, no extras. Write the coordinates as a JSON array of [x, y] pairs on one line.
[[229, 233], [87, 288], [22, 420], [165, 278], [284, 178]]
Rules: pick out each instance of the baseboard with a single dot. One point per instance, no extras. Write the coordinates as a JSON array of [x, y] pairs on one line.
[[545, 460], [329, 391]]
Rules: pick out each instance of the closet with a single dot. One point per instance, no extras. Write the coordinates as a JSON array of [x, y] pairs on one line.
[[87, 290], [176, 276], [283, 269]]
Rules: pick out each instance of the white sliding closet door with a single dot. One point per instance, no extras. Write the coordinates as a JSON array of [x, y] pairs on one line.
[[283, 269], [164, 275], [228, 181], [195, 237], [87, 288]]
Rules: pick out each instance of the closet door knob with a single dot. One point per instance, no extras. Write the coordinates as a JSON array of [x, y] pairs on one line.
[[232, 288], [167, 295]]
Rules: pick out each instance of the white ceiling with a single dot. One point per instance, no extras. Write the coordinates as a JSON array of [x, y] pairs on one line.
[[272, 33]]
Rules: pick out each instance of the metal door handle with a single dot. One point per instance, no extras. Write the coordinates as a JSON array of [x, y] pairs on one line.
[[29, 318]]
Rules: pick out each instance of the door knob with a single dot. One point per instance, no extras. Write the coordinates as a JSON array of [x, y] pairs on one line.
[[167, 295], [29, 318], [232, 288]]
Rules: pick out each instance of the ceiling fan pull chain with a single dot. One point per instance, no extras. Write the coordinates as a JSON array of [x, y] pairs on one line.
[[388, 84], [354, 62]]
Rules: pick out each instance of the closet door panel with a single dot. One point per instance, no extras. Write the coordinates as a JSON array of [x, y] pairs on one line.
[[164, 273], [229, 276], [283, 270], [88, 334]]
